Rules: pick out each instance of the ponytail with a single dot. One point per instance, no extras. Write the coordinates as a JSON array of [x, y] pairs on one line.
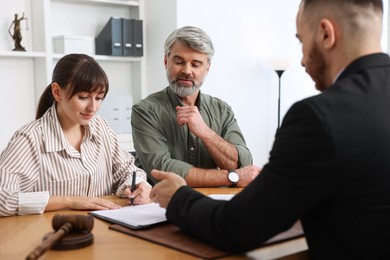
[[45, 102]]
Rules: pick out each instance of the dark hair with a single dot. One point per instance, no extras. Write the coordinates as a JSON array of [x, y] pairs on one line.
[[377, 4], [77, 73]]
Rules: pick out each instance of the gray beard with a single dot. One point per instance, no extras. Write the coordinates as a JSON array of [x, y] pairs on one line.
[[183, 91]]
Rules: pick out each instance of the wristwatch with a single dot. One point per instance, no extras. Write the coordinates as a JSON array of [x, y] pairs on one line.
[[233, 178]]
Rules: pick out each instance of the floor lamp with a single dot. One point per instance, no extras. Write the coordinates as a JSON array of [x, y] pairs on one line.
[[279, 72]]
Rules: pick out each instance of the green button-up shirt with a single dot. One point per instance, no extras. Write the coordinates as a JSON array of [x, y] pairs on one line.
[[162, 144]]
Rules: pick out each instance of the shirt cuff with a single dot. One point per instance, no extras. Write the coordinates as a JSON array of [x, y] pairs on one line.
[[32, 202], [244, 156]]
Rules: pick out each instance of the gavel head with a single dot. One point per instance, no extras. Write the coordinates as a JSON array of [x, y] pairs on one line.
[[79, 222]]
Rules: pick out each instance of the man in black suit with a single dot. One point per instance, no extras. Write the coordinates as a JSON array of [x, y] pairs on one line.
[[330, 163]]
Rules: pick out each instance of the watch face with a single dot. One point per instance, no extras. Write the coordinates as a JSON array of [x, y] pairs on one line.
[[233, 177]]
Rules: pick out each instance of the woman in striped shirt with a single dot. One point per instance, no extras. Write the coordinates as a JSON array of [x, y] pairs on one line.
[[68, 157]]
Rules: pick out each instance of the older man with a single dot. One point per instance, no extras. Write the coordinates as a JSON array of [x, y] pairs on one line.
[[182, 130]]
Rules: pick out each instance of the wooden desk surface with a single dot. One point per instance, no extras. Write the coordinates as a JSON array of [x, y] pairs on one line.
[[21, 234]]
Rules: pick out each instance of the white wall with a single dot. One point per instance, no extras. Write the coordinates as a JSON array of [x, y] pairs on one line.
[[160, 21], [248, 36]]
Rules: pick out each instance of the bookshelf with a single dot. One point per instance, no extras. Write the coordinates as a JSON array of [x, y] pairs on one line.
[[25, 74]]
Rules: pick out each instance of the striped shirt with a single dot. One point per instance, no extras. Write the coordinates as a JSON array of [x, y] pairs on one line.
[[38, 161]]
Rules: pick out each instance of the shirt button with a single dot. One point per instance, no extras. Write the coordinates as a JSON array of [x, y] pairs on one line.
[[192, 148]]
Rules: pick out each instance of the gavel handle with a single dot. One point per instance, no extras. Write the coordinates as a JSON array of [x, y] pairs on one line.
[[48, 243]]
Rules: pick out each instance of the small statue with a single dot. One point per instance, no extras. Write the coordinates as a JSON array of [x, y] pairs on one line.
[[17, 35]]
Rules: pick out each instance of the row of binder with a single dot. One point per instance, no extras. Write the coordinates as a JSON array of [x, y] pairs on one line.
[[120, 37]]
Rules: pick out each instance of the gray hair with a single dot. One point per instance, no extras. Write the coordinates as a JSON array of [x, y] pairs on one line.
[[193, 37]]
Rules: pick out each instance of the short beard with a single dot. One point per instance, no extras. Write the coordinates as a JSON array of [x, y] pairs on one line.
[[183, 90], [317, 68]]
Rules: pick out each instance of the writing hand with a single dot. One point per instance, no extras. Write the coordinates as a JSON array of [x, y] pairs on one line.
[[140, 194]]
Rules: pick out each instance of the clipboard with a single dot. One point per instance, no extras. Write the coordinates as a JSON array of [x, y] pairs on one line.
[[171, 236]]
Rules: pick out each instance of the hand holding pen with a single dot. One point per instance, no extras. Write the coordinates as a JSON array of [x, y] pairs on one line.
[[139, 193], [133, 185]]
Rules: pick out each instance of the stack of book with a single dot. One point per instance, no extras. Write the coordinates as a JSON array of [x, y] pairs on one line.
[[120, 37]]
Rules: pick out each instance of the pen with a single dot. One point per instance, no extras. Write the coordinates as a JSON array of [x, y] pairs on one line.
[[133, 187]]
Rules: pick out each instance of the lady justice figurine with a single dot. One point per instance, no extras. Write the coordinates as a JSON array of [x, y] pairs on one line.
[[17, 35]]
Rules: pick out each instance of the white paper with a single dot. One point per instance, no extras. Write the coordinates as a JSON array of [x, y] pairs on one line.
[[221, 196], [137, 216]]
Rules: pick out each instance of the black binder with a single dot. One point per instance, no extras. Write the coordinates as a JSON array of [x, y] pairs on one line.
[[138, 38], [127, 37], [109, 40], [132, 37]]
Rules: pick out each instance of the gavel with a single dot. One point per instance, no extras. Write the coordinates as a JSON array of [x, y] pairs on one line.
[[63, 225]]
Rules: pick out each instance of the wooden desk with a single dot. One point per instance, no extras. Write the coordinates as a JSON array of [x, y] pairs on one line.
[[21, 234]]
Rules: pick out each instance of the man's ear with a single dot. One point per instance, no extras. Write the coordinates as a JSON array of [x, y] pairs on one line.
[[327, 34], [56, 91], [165, 61]]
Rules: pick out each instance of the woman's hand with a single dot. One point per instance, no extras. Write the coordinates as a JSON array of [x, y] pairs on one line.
[[79, 203], [141, 193]]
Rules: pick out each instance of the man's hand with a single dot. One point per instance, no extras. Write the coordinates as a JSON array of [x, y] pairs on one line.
[[190, 116], [163, 191], [247, 174]]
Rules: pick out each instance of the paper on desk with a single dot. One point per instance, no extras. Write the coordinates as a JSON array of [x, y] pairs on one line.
[[221, 196], [135, 217]]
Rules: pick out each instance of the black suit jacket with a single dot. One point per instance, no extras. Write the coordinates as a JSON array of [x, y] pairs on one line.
[[329, 167]]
